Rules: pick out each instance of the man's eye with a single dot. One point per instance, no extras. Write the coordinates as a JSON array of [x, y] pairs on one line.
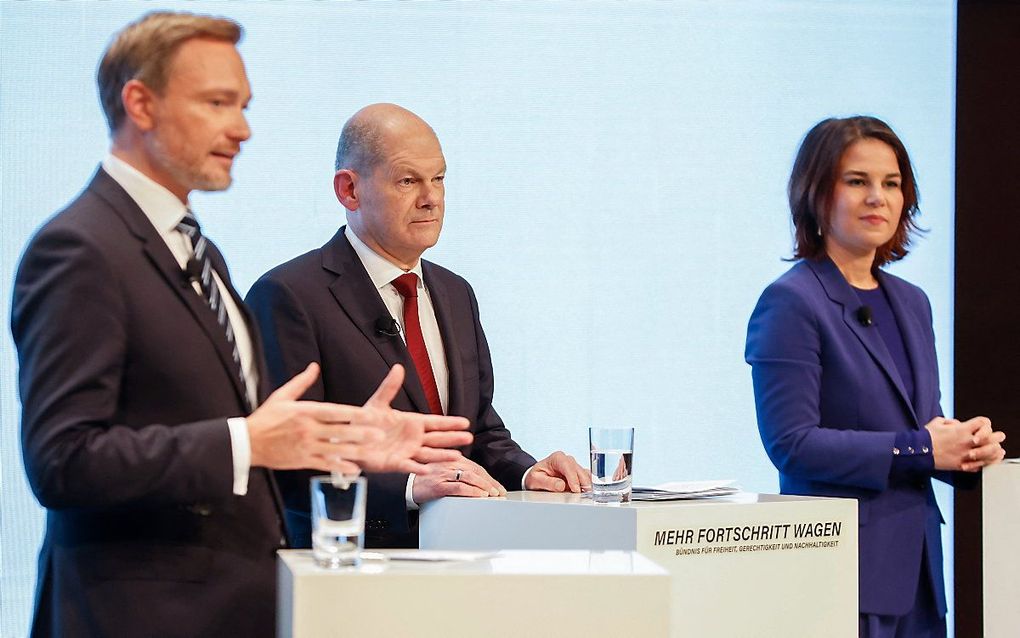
[[407, 181], [439, 178]]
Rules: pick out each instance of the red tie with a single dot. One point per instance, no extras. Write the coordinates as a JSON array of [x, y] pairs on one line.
[[407, 286]]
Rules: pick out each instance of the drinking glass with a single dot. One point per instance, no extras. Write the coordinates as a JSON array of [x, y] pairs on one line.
[[612, 451], [338, 520]]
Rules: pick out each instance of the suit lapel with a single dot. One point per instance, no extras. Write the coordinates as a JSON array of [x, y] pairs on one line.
[[358, 298], [917, 347], [258, 360], [840, 292], [444, 317], [166, 265], [262, 391], [157, 252]]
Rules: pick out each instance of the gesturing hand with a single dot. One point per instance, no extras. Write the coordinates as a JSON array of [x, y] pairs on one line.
[[286, 433], [409, 439]]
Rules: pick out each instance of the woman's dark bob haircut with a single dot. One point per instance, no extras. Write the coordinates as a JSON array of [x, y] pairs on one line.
[[813, 181]]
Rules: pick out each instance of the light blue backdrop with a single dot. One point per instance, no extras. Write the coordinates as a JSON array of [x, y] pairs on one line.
[[615, 191]]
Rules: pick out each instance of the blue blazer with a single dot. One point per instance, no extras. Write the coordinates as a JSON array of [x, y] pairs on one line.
[[830, 404]]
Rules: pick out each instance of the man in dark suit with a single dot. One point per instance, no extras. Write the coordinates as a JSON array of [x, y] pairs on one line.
[[366, 301], [139, 364]]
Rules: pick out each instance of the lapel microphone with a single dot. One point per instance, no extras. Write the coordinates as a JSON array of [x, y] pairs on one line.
[[387, 327], [864, 316], [193, 270]]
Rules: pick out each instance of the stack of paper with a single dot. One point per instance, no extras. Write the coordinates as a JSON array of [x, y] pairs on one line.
[[677, 490]]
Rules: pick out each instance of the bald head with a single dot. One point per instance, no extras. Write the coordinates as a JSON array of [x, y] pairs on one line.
[[373, 131], [390, 178]]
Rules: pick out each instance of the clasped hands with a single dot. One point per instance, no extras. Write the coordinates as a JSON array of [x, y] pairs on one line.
[[965, 446]]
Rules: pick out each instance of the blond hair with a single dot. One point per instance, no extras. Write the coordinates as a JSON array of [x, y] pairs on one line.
[[144, 50]]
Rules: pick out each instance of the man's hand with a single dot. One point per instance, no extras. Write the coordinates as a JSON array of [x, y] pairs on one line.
[[558, 472], [462, 477], [966, 446], [408, 435], [286, 433]]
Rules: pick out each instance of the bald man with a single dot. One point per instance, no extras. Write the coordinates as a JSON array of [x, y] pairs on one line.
[[366, 300]]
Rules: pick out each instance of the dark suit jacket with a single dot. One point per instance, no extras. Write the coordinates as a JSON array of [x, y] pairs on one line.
[[125, 389], [830, 404], [322, 306]]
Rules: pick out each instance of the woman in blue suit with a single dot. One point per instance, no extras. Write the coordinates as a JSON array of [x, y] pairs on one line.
[[845, 378]]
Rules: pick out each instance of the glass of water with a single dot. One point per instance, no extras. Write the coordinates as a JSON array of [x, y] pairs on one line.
[[338, 520], [612, 451]]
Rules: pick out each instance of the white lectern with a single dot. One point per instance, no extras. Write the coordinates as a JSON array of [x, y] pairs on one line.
[[512, 594], [1000, 529], [745, 565]]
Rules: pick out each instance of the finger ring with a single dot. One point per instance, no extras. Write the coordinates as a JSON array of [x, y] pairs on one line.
[[459, 472]]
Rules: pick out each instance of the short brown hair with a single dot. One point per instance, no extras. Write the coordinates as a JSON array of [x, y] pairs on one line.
[[144, 50], [813, 181]]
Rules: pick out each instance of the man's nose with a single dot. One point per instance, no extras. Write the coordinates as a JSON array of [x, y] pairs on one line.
[[239, 129], [430, 195]]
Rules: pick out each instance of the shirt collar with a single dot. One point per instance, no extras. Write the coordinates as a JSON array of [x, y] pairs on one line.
[[161, 206], [380, 270]]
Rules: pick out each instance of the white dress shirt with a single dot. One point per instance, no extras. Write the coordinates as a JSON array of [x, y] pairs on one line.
[[382, 272], [164, 210]]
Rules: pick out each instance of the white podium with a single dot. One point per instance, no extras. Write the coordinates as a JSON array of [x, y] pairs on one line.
[[1000, 527], [742, 566], [512, 594]]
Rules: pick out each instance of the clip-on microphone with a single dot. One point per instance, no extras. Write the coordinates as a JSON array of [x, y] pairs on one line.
[[387, 327]]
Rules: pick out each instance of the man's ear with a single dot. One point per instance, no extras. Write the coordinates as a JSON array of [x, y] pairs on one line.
[[345, 185], [138, 101]]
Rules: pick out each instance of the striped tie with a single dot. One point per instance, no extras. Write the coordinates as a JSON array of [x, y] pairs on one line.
[[201, 265]]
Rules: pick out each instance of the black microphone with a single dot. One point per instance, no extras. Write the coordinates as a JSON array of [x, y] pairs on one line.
[[192, 270], [864, 316], [387, 327]]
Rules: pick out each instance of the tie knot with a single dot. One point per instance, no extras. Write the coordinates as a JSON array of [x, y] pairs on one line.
[[406, 285], [189, 225]]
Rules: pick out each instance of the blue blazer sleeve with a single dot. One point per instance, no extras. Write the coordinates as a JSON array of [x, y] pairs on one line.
[[788, 368]]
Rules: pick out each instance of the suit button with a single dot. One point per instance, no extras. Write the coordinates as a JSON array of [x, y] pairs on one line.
[[910, 450], [896, 451], [924, 450]]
